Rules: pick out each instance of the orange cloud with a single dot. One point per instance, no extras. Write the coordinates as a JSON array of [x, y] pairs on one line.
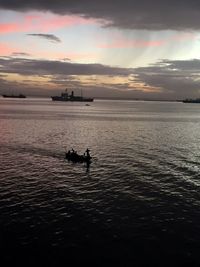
[[81, 56], [75, 57]]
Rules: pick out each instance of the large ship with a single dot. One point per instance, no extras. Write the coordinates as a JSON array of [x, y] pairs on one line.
[[189, 100], [15, 96], [71, 97]]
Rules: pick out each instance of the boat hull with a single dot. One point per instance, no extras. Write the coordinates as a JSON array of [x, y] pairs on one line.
[[78, 158]]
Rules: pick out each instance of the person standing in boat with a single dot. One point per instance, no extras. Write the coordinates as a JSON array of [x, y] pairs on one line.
[[87, 153]]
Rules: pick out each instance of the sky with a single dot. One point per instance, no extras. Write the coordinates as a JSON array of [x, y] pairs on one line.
[[109, 48]]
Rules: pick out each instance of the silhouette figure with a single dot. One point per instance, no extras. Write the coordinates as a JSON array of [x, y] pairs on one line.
[[88, 153]]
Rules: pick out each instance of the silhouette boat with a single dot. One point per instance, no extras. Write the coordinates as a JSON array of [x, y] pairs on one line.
[[71, 97], [15, 96], [75, 157], [189, 100]]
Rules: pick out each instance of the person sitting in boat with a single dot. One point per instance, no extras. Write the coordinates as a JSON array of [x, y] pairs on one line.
[[71, 154], [68, 153], [74, 155], [74, 152]]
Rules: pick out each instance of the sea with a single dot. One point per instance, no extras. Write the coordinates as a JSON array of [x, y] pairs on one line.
[[136, 204]]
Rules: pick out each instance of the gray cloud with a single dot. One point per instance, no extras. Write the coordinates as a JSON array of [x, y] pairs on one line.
[[49, 37], [175, 78], [44, 67], [130, 14]]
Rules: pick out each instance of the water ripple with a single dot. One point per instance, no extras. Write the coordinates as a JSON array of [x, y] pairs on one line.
[[143, 183]]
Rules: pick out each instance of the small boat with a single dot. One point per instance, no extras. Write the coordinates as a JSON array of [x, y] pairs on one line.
[[189, 100], [75, 157]]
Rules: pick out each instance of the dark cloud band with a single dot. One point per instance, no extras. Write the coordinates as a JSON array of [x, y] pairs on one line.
[[131, 14], [24, 66]]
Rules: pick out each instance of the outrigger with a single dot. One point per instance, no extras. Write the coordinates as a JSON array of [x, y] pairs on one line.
[[73, 156]]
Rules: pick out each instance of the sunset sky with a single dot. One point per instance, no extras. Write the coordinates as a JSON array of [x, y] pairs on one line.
[[129, 49]]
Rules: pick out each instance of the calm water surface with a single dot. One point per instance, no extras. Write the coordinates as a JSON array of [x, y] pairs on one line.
[[138, 203]]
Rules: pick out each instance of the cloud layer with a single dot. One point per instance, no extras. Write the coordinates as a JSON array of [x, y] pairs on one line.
[[167, 79], [131, 14], [175, 78]]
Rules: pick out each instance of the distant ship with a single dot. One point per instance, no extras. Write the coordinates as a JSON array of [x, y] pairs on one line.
[[15, 96], [189, 100], [66, 97]]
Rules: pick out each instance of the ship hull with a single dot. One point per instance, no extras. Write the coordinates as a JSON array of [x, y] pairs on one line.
[[14, 96], [59, 98], [191, 100]]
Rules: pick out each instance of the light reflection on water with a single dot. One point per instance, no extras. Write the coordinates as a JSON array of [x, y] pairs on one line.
[[142, 186]]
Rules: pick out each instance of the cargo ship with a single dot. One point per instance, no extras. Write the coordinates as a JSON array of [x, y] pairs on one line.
[[71, 97]]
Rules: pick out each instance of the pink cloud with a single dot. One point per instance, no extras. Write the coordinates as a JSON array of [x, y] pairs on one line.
[[184, 37], [124, 43], [6, 49], [8, 27], [43, 23], [57, 22]]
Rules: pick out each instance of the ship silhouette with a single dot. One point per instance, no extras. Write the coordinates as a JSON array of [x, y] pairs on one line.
[[71, 97]]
